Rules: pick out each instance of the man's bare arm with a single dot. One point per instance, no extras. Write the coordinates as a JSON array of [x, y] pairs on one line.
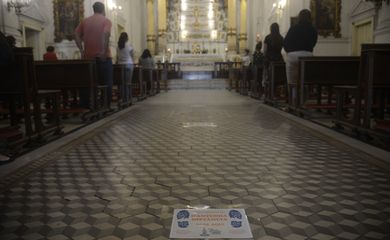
[[106, 44], [79, 44]]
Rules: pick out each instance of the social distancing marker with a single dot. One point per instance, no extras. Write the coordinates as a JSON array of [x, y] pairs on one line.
[[199, 124], [210, 224]]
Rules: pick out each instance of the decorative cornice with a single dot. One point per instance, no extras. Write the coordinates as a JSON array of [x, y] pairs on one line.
[[243, 36], [162, 32], [231, 31], [151, 37], [378, 3]]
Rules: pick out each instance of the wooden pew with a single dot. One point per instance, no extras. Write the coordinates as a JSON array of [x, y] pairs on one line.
[[19, 85], [234, 75], [138, 84], [147, 76], [319, 72], [163, 73], [256, 85], [173, 70], [157, 77], [119, 79], [373, 84], [245, 80], [221, 70], [276, 87], [71, 74]]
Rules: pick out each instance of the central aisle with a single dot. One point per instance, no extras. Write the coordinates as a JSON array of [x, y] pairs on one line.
[[199, 148]]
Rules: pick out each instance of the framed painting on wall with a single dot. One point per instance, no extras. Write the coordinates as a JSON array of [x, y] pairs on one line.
[[293, 21], [67, 16], [326, 17]]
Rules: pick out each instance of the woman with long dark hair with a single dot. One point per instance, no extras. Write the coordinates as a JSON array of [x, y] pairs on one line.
[[146, 59], [299, 42], [273, 44], [125, 56], [147, 62]]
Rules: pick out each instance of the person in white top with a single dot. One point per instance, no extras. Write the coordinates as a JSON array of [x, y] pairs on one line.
[[125, 56], [246, 59]]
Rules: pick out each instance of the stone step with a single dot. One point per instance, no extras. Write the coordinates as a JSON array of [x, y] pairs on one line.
[[197, 84]]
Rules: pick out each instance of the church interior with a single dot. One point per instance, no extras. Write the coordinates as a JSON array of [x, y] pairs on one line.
[[195, 119]]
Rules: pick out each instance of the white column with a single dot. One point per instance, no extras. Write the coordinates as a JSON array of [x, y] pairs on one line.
[[151, 36], [232, 28], [243, 38]]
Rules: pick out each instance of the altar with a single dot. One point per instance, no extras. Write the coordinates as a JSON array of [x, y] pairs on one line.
[[196, 34], [193, 46], [197, 62]]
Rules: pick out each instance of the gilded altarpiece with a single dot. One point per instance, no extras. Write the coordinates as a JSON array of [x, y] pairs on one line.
[[196, 26]]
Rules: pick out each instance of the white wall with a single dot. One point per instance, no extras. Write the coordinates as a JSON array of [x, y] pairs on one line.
[[137, 25], [261, 14], [382, 29], [10, 25]]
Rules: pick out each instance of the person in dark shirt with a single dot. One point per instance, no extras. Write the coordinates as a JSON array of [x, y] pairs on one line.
[[273, 44], [11, 41], [258, 56], [6, 54], [299, 42], [50, 55], [6, 59]]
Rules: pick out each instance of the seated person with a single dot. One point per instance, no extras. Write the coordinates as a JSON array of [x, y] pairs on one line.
[[50, 55]]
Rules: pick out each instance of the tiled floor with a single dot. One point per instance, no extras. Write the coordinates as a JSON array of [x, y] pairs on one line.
[[197, 148]]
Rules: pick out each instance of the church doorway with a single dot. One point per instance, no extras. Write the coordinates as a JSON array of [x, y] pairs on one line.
[[32, 38], [363, 32]]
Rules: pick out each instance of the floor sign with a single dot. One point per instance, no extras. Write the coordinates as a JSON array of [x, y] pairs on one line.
[[210, 223]]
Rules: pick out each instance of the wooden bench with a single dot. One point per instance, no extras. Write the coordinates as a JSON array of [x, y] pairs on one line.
[[256, 85], [173, 70], [138, 84], [148, 78], [245, 80], [371, 93], [163, 75], [74, 74], [119, 79], [19, 88], [221, 70], [234, 75], [276, 87], [317, 73], [157, 77]]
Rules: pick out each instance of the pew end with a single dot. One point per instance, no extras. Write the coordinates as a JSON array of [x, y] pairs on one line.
[[275, 90]]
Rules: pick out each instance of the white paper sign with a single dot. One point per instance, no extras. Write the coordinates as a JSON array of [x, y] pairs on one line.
[[210, 223], [199, 124]]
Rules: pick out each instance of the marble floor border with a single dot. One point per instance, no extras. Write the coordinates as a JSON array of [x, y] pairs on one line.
[[373, 154], [51, 148]]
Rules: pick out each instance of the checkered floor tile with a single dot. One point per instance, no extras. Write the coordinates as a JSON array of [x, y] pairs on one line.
[[199, 148]]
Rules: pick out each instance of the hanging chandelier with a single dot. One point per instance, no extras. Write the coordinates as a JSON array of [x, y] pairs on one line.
[[17, 5]]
